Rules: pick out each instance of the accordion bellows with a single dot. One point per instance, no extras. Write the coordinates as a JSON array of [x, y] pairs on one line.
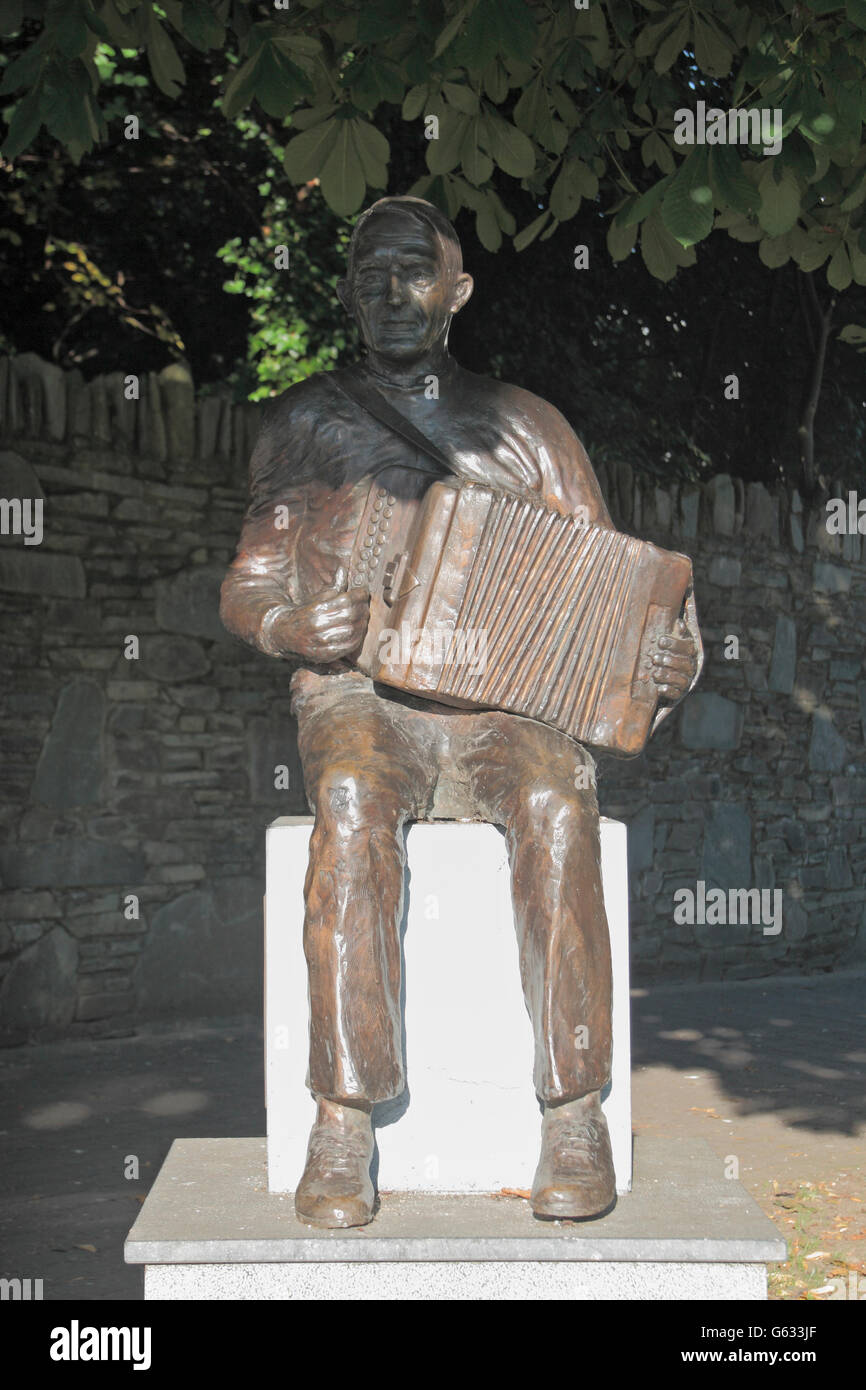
[[500, 602]]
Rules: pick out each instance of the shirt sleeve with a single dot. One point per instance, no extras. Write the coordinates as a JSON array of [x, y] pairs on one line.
[[263, 573], [569, 478]]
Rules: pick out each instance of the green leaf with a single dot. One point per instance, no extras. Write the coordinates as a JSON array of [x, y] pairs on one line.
[[379, 22], [853, 333], [814, 252], [734, 189], [312, 115], [496, 82], [780, 202], [487, 227], [774, 251], [523, 239], [450, 32], [457, 94], [508, 146], [517, 31], [505, 219], [65, 106], [70, 30], [622, 19], [687, 207], [241, 86], [307, 154], [657, 248], [620, 240], [414, 101], [201, 26], [477, 166], [342, 180], [165, 64], [374, 152], [712, 53], [23, 126], [480, 43], [672, 47], [798, 155], [856, 194], [371, 142], [642, 206], [858, 263], [839, 272], [738, 226], [443, 154], [279, 82], [652, 34], [23, 71], [565, 195]]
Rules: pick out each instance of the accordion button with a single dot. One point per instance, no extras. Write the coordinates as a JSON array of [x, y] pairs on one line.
[[389, 511], [378, 504], [374, 562], [377, 550], [391, 500], [381, 492]]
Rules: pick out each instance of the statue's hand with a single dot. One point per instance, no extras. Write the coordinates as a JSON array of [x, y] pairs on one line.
[[675, 661], [329, 627]]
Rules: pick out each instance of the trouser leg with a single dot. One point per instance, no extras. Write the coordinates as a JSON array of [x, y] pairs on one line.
[[364, 777], [531, 779]]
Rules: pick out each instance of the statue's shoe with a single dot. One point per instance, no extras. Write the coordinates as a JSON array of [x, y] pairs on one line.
[[575, 1175], [336, 1189]]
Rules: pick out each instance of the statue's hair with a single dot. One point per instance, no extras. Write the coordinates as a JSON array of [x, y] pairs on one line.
[[420, 211]]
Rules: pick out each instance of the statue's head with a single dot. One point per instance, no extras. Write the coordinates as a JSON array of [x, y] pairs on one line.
[[405, 279]]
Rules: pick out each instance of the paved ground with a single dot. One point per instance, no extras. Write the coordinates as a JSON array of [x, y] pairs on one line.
[[770, 1073]]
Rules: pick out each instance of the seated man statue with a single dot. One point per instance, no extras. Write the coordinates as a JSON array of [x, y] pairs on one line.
[[374, 757]]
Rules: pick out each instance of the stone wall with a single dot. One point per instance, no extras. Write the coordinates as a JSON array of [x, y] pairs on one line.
[[136, 789]]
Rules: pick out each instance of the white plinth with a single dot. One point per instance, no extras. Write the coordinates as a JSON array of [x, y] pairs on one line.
[[470, 1121]]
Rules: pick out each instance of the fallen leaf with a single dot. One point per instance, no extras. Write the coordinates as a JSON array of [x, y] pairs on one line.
[[817, 1255], [523, 1192], [91, 1248]]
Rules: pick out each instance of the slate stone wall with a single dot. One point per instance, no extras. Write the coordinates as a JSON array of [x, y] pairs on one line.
[[136, 791]]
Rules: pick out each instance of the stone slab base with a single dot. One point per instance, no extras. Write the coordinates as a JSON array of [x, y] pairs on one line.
[[450, 1281], [210, 1229]]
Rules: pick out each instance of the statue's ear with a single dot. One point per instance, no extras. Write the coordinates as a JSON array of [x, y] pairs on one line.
[[462, 290], [344, 294]]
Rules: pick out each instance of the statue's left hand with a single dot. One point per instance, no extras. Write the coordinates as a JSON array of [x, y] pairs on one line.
[[675, 661]]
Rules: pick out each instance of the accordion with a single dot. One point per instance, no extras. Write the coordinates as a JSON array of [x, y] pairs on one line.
[[497, 601]]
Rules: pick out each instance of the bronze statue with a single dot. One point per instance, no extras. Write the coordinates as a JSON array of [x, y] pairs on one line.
[[344, 462]]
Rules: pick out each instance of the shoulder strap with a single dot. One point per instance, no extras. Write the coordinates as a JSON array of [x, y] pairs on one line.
[[371, 400]]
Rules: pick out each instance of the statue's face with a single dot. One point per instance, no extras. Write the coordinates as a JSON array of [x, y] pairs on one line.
[[402, 292]]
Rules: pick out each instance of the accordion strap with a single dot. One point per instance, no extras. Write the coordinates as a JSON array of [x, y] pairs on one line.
[[363, 393]]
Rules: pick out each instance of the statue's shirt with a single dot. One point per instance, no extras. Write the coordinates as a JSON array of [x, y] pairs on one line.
[[318, 453]]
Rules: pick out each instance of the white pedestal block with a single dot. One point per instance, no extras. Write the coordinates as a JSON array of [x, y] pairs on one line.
[[470, 1120]]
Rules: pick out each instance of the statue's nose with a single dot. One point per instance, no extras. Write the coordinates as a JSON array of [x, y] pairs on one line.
[[395, 290]]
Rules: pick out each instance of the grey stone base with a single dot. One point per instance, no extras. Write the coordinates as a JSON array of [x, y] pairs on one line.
[[501, 1280], [211, 1230]]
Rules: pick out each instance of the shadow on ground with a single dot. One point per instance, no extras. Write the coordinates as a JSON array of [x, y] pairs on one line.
[[794, 1047], [85, 1126]]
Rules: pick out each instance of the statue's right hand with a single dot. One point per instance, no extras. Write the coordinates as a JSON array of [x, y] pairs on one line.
[[330, 626]]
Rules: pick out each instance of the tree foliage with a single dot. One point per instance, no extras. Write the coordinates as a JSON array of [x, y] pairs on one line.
[[572, 102], [268, 124]]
